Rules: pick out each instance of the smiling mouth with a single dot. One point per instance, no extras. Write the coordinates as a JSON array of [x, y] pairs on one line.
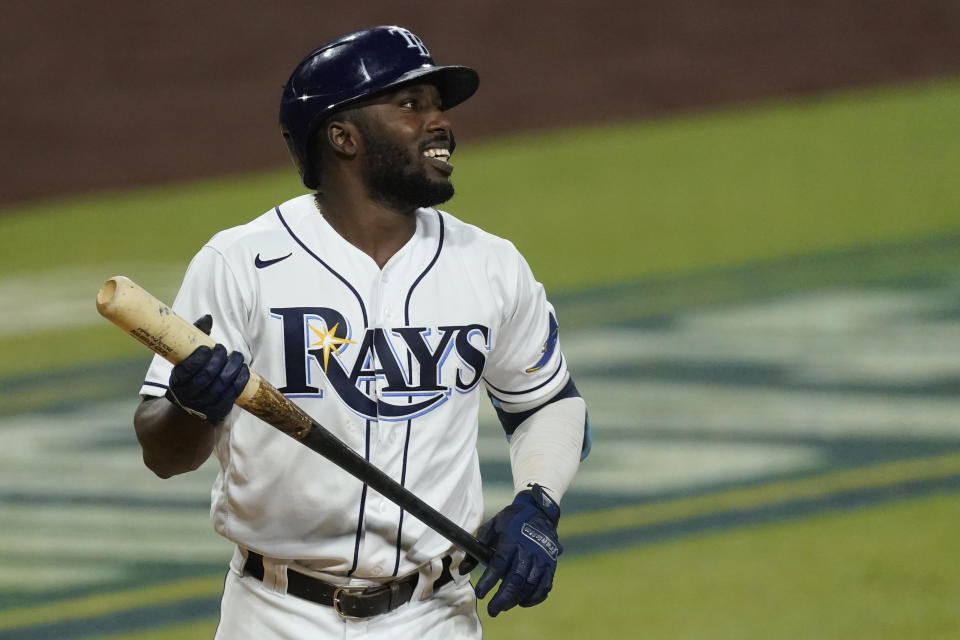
[[439, 159], [440, 154]]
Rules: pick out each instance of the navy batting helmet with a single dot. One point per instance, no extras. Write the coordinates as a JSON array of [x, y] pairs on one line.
[[352, 68]]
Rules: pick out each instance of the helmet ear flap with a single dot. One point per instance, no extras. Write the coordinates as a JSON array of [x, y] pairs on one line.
[[301, 160]]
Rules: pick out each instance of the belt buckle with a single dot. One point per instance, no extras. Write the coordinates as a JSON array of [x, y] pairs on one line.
[[348, 589]]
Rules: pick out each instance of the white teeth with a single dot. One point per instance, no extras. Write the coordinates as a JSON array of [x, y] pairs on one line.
[[440, 154]]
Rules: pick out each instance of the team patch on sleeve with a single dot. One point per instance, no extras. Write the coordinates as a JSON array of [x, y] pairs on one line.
[[553, 333]]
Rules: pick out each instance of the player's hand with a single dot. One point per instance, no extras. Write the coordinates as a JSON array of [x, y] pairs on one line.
[[524, 538], [207, 382]]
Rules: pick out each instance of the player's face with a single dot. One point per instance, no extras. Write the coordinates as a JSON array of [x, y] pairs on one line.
[[408, 142]]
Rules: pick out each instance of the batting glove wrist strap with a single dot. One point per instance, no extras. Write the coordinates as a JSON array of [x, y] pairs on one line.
[[543, 501], [524, 538], [169, 395]]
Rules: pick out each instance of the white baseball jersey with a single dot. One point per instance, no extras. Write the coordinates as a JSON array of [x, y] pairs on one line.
[[393, 362]]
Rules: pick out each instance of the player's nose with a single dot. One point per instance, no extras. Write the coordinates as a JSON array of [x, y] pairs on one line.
[[438, 121]]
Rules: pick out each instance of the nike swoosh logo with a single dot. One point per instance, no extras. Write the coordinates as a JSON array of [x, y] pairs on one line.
[[260, 264]]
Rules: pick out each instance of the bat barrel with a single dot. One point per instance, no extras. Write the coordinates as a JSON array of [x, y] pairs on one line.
[[106, 293], [149, 321]]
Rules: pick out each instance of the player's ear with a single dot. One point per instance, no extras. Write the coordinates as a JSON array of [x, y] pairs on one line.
[[343, 137]]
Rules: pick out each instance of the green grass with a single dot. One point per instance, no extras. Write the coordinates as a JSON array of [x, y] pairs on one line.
[[48, 350], [202, 630], [594, 205], [586, 206], [159, 225], [866, 574], [871, 574], [602, 204], [103, 604]]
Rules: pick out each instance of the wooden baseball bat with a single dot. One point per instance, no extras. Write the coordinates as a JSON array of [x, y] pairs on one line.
[[154, 324]]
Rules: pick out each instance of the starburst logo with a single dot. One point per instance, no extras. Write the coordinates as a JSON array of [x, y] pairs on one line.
[[419, 367], [328, 340]]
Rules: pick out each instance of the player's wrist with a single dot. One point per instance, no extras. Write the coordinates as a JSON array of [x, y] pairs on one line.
[[538, 497]]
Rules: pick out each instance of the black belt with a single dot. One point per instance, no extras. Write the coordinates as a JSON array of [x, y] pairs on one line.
[[350, 601]]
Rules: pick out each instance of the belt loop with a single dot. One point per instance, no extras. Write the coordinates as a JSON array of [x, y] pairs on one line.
[[445, 574], [394, 595], [280, 574], [239, 560], [274, 576]]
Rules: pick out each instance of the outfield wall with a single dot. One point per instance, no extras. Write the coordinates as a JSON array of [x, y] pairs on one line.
[[109, 93]]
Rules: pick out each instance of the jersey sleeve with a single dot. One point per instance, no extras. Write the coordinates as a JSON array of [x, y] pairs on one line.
[[209, 286], [526, 363]]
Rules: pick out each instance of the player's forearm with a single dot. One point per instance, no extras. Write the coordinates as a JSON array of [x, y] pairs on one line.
[[546, 448], [172, 440]]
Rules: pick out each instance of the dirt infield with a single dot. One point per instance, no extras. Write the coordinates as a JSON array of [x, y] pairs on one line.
[[108, 93]]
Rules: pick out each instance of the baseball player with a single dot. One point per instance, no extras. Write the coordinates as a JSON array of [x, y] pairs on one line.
[[385, 319]]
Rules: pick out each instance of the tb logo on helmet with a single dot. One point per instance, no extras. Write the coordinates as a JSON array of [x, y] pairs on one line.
[[413, 41]]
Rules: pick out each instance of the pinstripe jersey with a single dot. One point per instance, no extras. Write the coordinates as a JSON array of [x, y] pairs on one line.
[[393, 361]]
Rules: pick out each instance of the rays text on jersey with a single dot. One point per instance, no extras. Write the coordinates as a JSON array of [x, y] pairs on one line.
[[389, 374]]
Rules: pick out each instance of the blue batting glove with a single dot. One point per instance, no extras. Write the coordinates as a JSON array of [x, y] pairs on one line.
[[208, 381], [524, 538]]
